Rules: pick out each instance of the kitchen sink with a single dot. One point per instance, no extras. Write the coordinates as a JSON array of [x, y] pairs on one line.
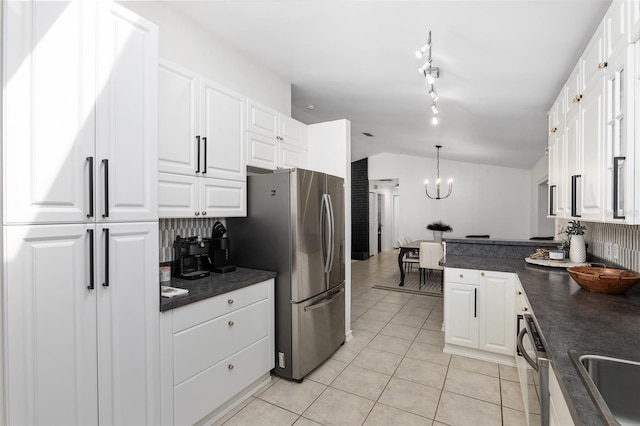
[[614, 385]]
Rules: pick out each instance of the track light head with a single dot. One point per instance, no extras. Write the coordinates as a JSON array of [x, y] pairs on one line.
[[423, 50], [434, 108]]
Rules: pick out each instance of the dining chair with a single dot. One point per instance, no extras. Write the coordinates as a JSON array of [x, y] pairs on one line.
[[430, 255], [409, 258]]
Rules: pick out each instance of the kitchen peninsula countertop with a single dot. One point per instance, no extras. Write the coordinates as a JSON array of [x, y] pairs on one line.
[[571, 318], [213, 285]]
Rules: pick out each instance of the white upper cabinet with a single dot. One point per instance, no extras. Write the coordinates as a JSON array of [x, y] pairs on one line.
[[620, 140], [201, 126], [49, 114], [273, 139], [127, 126], [599, 141], [616, 23], [593, 59], [292, 132], [201, 146], [177, 119], [222, 132], [591, 174], [557, 156], [80, 107], [633, 17]]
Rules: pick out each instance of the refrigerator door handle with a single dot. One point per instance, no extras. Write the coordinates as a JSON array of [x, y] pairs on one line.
[[324, 230], [332, 233], [325, 302]]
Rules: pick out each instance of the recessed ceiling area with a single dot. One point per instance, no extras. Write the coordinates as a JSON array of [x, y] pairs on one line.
[[502, 64]]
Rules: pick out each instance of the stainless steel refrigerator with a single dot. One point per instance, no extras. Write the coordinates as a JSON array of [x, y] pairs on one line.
[[295, 226]]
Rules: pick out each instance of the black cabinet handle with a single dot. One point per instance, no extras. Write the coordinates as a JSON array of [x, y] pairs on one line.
[[90, 160], [91, 285], [616, 186], [105, 164], [574, 195], [475, 302], [198, 147], [552, 194], [105, 231], [204, 140]]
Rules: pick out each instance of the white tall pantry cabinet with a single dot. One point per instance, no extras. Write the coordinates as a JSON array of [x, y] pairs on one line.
[[80, 300]]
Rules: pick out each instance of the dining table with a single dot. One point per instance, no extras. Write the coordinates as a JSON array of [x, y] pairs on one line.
[[413, 246]]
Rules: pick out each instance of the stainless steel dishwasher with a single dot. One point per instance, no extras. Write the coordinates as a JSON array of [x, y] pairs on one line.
[[536, 356]]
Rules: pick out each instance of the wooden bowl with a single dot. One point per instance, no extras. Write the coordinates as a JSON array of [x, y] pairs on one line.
[[603, 280]]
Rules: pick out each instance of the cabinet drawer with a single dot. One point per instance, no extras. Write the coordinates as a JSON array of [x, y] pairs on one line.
[[195, 398], [211, 308], [463, 276], [204, 345]]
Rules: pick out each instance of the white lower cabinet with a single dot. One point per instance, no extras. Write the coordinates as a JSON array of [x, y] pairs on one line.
[[81, 324], [216, 352], [479, 320], [559, 414], [192, 196]]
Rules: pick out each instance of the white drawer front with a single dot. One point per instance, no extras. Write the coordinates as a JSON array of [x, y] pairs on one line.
[[208, 309], [200, 347], [211, 388], [462, 276]]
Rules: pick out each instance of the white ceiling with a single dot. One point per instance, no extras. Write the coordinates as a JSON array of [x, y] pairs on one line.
[[502, 63]]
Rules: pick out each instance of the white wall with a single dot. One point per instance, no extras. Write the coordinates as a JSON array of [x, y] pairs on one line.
[[189, 45], [485, 200]]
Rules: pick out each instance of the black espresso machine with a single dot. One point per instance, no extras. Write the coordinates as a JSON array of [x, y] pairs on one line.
[[191, 257]]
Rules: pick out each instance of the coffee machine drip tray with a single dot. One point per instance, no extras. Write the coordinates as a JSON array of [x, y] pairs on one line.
[[194, 275], [224, 269]]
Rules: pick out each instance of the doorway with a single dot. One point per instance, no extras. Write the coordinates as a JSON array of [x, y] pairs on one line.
[[546, 226], [373, 228]]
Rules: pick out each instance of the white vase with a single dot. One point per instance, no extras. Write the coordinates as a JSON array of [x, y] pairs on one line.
[[437, 236], [577, 249]]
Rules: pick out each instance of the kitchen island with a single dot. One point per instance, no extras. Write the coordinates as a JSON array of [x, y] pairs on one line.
[[569, 318]]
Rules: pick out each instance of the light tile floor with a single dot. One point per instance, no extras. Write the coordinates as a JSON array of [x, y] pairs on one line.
[[392, 372]]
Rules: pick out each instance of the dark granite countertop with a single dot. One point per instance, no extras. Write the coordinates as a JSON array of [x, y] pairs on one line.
[[213, 285], [571, 318], [489, 241]]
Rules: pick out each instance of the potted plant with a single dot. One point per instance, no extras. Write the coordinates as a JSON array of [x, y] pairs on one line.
[[438, 228], [575, 240]]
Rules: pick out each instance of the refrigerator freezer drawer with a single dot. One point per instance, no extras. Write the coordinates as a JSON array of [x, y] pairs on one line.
[[318, 330]]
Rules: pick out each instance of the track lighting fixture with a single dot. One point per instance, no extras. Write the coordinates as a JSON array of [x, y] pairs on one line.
[[430, 74]]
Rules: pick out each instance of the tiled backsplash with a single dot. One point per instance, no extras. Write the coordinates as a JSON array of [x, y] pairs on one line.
[[597, 234], [170, 228], [626, 236]]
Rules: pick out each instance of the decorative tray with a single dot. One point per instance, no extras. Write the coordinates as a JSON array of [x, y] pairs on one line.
[[554, 263]]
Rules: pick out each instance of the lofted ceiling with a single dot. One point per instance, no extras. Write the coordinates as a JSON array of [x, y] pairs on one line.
[[502, 64]]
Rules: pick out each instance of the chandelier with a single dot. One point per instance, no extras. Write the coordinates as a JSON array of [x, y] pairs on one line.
[[449, 182], [430, 73]]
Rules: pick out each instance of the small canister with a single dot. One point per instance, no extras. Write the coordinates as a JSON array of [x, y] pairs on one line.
[[556, 255], [165, 274]]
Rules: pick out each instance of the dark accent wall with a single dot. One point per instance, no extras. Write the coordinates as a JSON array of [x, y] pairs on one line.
[[360, 209]]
